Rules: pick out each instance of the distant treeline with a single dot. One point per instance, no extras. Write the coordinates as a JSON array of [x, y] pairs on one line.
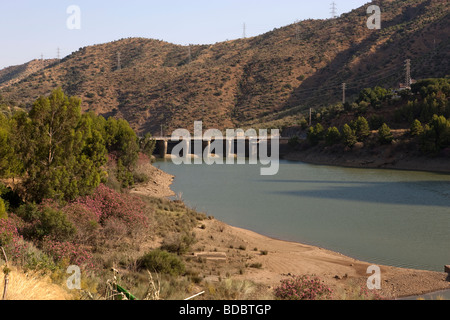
[[424, 110]]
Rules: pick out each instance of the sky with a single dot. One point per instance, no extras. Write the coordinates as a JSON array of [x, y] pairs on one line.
[[30, 28]]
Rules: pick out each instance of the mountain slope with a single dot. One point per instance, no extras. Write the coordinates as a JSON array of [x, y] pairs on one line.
[[249, 81]]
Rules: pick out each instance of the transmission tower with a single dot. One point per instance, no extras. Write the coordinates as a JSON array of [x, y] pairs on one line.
[[333, 10], [58, 53], [408, 74], [244, 33]]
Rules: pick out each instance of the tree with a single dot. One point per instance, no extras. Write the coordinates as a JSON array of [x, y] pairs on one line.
[[147, 144], [362, 129], [10, 165], [3, 214], [385, 135], [316, 134], [348, 136], [61, 151], [333, 136], [416, 128]]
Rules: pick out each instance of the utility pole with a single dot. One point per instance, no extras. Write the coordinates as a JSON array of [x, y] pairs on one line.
[[344, 87], [408, 74]]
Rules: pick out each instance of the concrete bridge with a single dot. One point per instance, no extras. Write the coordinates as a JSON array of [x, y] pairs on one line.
[[230, 146]]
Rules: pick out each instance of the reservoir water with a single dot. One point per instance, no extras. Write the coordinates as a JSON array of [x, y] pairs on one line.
[[388, 217]]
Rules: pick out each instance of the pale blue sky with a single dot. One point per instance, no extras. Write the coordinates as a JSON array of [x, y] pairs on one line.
[[29, 28]]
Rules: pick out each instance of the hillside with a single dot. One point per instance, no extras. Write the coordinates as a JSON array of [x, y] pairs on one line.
[[247, 81], [14, 74]]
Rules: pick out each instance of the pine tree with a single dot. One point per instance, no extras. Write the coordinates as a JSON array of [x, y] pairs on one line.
[[349, 136], [385, 135]]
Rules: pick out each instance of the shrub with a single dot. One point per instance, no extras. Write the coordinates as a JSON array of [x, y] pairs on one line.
[[106, 203], [67, 253], [44, 220], [11, 240], [302, 288], [179, 244], [162, 262]]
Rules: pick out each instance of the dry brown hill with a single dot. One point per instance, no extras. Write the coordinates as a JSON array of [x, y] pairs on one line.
[[249, 81]]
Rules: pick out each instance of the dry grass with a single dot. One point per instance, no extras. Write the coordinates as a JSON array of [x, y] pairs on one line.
[[32, 286]]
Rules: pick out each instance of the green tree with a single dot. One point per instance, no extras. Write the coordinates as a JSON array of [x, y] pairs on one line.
[[416, 128], [61, 151], [3, 214], [315, 134], [147, 144], [332, 136], [10, 164], [362, 128], [385, 135], [348, 136]]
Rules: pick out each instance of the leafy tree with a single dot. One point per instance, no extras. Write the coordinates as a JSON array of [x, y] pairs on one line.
[[385, 135], [61, 151], [349, 136], [332, 136]]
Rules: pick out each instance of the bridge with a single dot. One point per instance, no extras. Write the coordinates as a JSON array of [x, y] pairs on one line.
[[230, 146]]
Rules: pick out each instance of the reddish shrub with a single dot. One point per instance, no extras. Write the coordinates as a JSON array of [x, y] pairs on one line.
[[67, 252], [106, 203], [302, 288], [10, 239]]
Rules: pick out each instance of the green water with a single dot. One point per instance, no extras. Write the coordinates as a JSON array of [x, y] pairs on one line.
[[387, 217]]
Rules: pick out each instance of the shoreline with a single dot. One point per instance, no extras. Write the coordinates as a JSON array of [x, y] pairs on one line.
[[402, 163], [342, 273]]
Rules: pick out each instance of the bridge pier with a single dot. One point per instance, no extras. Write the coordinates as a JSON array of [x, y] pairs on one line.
[[163, 146]]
